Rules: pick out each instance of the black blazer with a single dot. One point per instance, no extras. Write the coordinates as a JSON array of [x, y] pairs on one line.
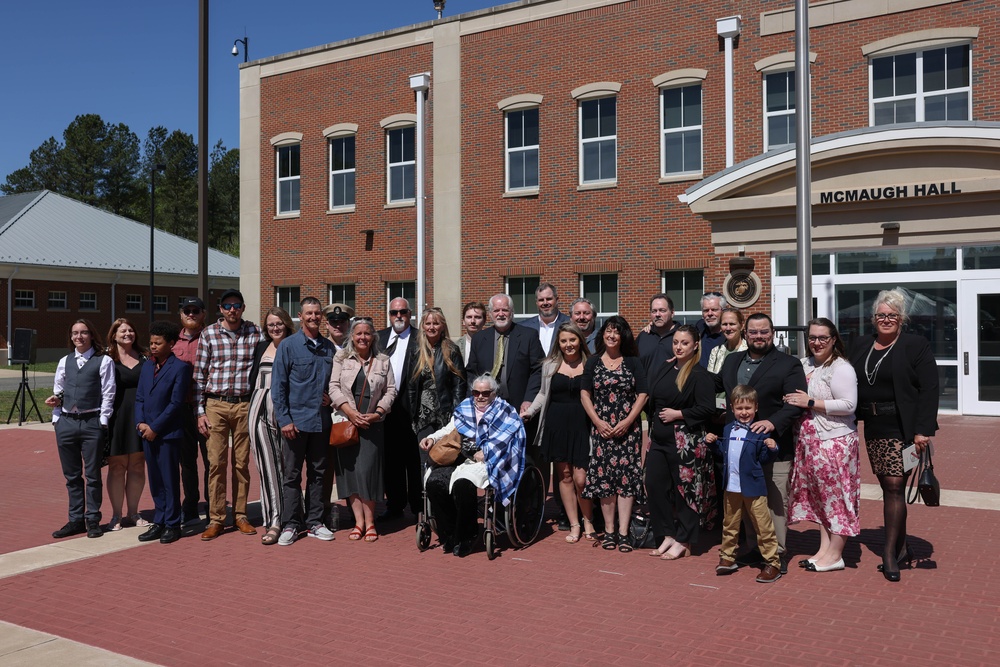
[[777, 375], [914, 382], [258, 354], [696, 400], [524, 362], [402, 403]]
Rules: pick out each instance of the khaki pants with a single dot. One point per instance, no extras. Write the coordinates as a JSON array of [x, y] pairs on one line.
[[776, 474], [760, 517], [226, 419]]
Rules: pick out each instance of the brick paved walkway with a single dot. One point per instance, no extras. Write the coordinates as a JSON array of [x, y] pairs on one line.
[[233, 601]]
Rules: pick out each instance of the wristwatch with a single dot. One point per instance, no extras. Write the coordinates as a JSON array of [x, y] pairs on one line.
[[810, 403]]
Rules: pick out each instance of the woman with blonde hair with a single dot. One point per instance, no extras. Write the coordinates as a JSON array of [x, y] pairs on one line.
[[438, 381], [126, 461]]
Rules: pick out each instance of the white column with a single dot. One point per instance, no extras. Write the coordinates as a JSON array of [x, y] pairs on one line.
[[728, 29]]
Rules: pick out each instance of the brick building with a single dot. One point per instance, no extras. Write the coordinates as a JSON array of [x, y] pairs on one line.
[[584, 143], [61, 260]]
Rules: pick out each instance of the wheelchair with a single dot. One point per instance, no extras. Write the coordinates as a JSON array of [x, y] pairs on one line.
[[520, 520]]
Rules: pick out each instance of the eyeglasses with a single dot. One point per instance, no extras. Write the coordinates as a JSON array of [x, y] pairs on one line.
[[191, 312], [886, 317], [758, 332], [401, 311], [482, 394], [822, 340], [364, 319], [79, 333], [276, 325], [232, 306]]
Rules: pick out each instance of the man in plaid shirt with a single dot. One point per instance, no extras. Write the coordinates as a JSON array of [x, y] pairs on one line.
[[222, 394]]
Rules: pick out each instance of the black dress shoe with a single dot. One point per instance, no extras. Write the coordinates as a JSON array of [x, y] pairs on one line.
[[152, 533], [448, 546], [94, 529], [784, 565], [390, 515], [72, 528], [562, 523], [170, 535], [463, 548]]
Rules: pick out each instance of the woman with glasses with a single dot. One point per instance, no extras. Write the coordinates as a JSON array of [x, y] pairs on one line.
[[362, 388], [438, 381], [126, 461], [898, 402], [825, 485], [265, 435], [613, 392]]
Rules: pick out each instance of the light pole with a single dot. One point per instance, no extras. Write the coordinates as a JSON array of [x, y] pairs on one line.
[[439, 6], [152, 233], [246, 47]]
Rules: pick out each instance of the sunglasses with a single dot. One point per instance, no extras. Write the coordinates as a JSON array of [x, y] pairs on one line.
[[192, 311], [482, 394], [337, 319], [231, 306], [402, 311], [711, 294]]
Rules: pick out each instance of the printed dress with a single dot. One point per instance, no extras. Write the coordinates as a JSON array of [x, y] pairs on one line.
[[616, 465]]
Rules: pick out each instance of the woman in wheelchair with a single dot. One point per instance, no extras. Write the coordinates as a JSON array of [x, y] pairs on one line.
[[492, 455]]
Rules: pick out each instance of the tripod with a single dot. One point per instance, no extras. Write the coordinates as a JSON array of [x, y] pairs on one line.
[[23, 392]]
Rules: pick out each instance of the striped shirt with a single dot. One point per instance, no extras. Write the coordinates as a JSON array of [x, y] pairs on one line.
[[222, 365]]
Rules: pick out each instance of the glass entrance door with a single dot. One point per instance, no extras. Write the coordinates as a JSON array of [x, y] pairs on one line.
[[980, 361]]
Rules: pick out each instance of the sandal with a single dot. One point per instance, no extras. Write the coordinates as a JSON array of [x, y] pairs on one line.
[[684, 552], [371, 535], [571, 538], [589, 535], [271, 536], [609, 542], [115, 523], [355, 534], [137, 520], [624, 544]]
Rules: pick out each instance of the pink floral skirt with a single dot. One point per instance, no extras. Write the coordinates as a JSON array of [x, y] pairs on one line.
[[825, 485]]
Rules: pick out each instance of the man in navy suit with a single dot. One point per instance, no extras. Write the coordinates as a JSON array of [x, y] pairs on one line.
[[549, 317], [401, 464], [160, 402]]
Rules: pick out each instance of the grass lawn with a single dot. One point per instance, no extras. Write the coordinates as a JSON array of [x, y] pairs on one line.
[[7, 399]]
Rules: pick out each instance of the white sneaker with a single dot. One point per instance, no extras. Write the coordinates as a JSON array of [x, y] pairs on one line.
[[320, 532], [288, 535]]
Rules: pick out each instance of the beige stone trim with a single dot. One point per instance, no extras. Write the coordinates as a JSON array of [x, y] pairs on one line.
[[398, 120], [597, 89], [518, 102], [919, 39], [680, 77], [680, 178], [340, 130], [526, 12], [286, 139], [523, 192], [409, 203], [830, 12], [780, 61], [250, 170], [600, 185], [341, 209]]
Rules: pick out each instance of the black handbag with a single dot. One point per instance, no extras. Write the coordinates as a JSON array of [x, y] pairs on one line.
[[928, 487], [640, 530]]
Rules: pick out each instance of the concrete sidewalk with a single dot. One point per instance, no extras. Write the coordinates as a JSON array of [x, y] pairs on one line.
[[233, 601]]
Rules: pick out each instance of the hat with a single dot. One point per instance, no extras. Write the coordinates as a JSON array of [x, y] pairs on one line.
[[231, 293], [338, 312], [192, 301]]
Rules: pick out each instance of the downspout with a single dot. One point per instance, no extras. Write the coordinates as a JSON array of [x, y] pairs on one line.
[[729, 29], [118, 277], [10, 310]]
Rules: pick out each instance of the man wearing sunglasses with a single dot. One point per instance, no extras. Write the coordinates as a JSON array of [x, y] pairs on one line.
[[186, 349], [338, 321], [222, 376], [401, 467]]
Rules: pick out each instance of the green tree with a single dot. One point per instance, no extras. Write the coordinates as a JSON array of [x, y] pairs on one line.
[[121, 187], [177, 186], [224, 199], [44, 171], [83, 158]]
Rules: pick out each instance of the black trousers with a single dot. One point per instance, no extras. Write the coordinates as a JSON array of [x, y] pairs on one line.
[[401, 465], [163, 474], [311, 450], [192, 443], [456, 512], [670, 515], [80, 443]]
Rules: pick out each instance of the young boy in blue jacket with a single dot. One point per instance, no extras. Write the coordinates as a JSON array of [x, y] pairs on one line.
[[743, 452]]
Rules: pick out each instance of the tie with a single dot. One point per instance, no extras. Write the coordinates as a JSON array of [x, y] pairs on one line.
[[392, 346], [498, 358]]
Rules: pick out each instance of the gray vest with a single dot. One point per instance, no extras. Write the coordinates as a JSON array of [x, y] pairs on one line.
[[82, 386]]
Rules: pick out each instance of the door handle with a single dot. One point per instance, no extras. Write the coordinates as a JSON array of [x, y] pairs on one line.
[[966, 356]]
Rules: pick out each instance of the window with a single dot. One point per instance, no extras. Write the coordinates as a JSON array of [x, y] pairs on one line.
[[341, 294], [288, 298], [133, 303], [598, 140], [402, 164], [88, 300], [24, 298], [928, 85], [788, 265], [897, 261], [406, 289], [685, 289], [681, 148], [522, 296], [779, 110], [522, 149], [57, 301], [160, 304], [602, 290], [288, 179], [342, 171]]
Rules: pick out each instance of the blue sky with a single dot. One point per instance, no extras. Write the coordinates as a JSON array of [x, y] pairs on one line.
[[136, 61]]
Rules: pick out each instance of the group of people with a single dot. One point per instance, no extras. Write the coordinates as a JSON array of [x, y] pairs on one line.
[[556, 391]]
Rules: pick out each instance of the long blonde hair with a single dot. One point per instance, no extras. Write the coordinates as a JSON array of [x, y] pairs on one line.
[[425, 353], [685, 372], [555, 355]]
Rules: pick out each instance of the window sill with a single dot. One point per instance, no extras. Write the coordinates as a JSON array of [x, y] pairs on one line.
[[342, 209], [287, 216], [525, 192], [400, 204], [30, 309], [679, 178], [61, 309], [603, 185]]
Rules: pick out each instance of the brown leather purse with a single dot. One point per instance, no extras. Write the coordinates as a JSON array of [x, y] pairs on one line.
[[445, 451], [344, 433]]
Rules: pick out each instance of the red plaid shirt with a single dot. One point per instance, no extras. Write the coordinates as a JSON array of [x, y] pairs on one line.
[[223, 363]]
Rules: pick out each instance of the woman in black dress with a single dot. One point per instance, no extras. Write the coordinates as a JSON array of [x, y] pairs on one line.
[[126, 461], [564, 429], [898, 402], [438, 381]]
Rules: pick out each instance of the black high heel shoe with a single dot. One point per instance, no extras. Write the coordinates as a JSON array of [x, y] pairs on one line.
[[904, 560]]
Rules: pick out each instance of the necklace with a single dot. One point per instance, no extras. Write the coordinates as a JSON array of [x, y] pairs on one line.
[[871, 374], [610, 364]]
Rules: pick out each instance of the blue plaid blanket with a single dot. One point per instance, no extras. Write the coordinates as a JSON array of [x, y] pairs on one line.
[[500, 436]]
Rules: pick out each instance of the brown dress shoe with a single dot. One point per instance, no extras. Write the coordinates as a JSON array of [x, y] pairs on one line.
[[726, 566], [245, 527], [212, 532], [769, 575]]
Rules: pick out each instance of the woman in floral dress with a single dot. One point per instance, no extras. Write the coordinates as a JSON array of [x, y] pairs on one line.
[[613, 392], [825, 485]]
